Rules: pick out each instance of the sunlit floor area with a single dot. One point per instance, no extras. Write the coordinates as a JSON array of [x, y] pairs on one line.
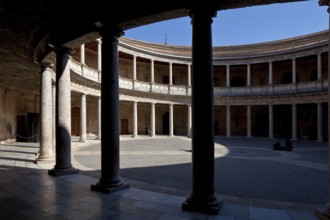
[[254, 181]]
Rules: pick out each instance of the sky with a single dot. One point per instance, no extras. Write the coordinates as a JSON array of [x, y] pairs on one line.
[[242, 26]]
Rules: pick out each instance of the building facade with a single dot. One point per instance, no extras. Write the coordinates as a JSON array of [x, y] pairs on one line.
[[269, 90]]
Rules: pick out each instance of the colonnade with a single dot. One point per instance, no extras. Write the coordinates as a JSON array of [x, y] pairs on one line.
[[203, 198]]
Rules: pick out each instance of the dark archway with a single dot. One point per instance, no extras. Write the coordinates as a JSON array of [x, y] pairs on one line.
[[166, 120], [237, 81]]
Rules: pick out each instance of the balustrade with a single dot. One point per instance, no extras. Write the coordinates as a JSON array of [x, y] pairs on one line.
[[130, 84]]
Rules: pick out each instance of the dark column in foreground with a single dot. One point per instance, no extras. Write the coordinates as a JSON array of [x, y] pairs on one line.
[[63, 164], [203, 197], [110, 180]]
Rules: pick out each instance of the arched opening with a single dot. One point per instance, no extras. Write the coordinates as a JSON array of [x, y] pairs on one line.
[[166, 119], [237, 81]]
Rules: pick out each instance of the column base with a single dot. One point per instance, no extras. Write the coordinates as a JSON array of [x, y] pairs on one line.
[[45, 160], [109, 187], [62, 172], [323, 213], [210, 206]]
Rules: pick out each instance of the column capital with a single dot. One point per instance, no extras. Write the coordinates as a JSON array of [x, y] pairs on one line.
[[113, 30], [98, 40], [63, 50], [205, 10], [45, 66]]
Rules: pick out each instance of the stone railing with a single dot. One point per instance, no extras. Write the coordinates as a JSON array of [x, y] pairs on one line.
[[85, 71], [283, 89]]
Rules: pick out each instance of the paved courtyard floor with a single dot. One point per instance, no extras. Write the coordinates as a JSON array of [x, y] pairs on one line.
[[255, 182], [247, 170]]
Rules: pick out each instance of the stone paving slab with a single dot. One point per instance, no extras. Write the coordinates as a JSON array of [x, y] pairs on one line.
[[28, 192]]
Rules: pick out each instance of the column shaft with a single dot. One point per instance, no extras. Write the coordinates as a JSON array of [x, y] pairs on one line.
[[83, 120], [135, 119], [82, 54], [153, 120], [54, 114], [270, 121], [294, 74], [228, 76], [203, 197], [99, 119], [171, 121], [228, 128], [134, 67], [170, 74], [270, 73], [248, 109], [63, 164], [46, 142], [152, 74], [294, 122], [189, 121], [110, 180], [189, 74]]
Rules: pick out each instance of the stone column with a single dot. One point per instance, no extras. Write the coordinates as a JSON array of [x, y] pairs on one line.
[[83, 120], [248, 109], [324, 213], [203, 197], [270, 72], [153, 120], [170, 74], [189, 121], [54, 115], [134, 68], [63, 164], [46, 142], [294, 122], [99, 119], [171, 121], [228, 128], [135, 119], [189, 74], [270, 122], [82, 54], [294, 74], [152, 74], [110, 180], [248, 75], [228, 76], [99, 57], [319, 67], [319, 123]]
